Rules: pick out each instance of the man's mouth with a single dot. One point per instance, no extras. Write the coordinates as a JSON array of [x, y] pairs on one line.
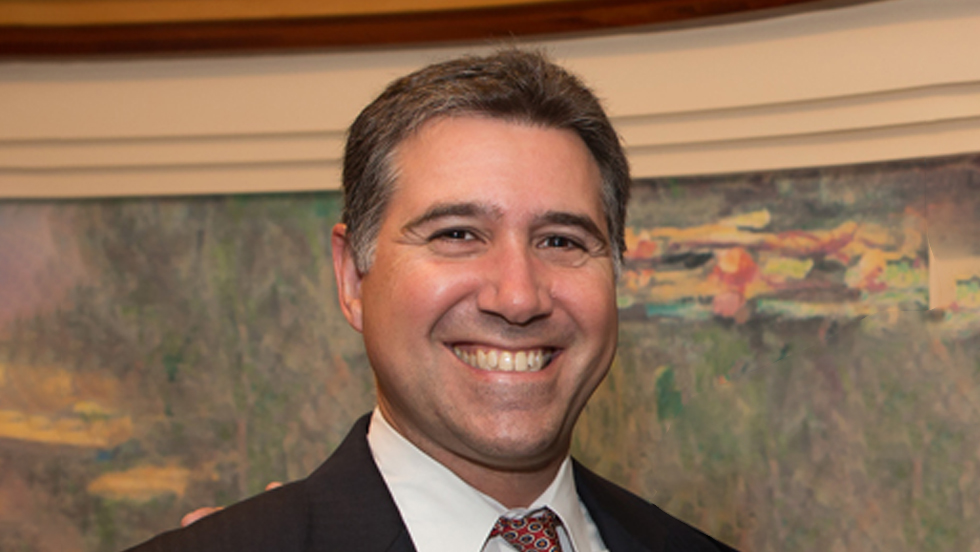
[[498, 360]]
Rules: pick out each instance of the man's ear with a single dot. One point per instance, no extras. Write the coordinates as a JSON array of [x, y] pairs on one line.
[[348, 277]]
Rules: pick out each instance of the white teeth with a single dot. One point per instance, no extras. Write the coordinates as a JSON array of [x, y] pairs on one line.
[[504, 361]]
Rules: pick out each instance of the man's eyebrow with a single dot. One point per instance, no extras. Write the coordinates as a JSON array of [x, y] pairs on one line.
[[564, 218], [444, 210]]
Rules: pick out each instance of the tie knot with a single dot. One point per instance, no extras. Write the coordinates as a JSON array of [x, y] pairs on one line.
[[533, 532]]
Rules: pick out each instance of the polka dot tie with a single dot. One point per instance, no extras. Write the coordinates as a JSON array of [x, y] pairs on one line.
[[535, 532]]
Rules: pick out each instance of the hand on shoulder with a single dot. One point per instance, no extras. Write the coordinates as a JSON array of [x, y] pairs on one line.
[[191, 517]]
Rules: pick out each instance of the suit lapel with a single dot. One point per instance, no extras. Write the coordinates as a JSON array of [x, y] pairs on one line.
[[624, 525], [628, 523], [350, 506]]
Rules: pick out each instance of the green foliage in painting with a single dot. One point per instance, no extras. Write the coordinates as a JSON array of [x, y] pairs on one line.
[[669, 402], [199, 355]]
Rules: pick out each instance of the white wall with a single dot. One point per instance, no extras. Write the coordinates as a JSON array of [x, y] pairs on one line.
[[885, 80]]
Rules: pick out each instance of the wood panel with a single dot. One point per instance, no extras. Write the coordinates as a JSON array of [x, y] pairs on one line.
[[306, 33]]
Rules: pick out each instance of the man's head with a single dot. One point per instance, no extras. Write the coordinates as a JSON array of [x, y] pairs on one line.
[[513, 85], [486, 297]]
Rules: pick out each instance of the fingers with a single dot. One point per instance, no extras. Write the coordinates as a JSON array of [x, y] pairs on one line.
[[202, 512], [198, 514]]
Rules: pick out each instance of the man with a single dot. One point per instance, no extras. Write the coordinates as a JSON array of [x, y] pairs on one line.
[[482, 235]]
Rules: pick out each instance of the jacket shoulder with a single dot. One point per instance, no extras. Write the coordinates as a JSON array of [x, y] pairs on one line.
[[625, 517], [274, 521]]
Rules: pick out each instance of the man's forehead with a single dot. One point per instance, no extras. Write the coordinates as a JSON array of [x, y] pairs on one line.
[[445, 126], [494, 169], [456, 136]]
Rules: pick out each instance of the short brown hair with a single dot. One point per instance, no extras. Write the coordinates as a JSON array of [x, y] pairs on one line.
[[512, 84]]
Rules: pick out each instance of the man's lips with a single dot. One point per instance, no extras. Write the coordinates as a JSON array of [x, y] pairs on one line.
[[503, 360]]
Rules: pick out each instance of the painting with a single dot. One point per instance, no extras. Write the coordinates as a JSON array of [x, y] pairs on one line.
[[781, 382]]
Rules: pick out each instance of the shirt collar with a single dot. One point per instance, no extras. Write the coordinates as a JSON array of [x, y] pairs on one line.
[[562, 497], [427, 494]]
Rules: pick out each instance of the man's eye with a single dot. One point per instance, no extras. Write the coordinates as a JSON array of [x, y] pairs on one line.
[[561, 242], [454, 234]]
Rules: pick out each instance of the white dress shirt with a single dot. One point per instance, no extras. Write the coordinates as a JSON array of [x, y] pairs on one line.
[[428, 494]]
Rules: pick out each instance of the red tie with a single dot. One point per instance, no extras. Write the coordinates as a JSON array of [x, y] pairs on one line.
[[535, 532]]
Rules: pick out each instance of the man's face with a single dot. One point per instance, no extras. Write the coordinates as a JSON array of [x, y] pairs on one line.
[[489, 313]]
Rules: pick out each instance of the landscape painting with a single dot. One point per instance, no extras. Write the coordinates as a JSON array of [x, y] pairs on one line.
[[781, 382]]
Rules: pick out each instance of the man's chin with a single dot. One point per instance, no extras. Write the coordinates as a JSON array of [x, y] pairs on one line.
[[520, 453]]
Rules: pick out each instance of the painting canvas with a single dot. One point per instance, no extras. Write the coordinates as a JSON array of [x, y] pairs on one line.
[[781, 383]]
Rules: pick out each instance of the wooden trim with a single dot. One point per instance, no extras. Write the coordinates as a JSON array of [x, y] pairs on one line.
[[310, 33]]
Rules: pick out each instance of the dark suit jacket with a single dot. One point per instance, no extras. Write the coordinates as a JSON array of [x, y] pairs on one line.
[[344, 506]]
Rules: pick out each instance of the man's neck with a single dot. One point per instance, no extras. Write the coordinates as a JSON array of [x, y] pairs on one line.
[[426, 491], [513, 486]]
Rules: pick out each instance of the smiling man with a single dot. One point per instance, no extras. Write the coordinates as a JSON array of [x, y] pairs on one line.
[[482, 234]]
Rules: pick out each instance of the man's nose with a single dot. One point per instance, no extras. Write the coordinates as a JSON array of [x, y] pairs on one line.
[[515, 286]]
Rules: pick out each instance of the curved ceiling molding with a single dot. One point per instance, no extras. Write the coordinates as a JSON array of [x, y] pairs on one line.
[[39, 37]]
